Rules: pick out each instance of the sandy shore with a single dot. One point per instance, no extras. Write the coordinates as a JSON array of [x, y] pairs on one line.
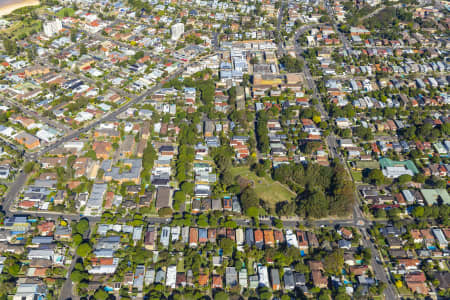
[[9, 7]]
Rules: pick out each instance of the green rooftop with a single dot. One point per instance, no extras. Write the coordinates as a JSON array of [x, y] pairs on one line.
[[386, 162], [433, 196]]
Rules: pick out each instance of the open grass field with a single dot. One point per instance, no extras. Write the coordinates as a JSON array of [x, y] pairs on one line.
[[66, 12], [267, 189], [357, 176], [21, 29]]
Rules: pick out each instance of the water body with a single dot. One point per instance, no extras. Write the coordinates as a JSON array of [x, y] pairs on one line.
[[7, 6], [8, 2]]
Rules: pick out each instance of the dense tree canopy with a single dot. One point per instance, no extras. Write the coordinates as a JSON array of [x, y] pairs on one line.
[[84, 249], [250, 202], [321, 191], [82, 226], [262, 132], [292, 64]]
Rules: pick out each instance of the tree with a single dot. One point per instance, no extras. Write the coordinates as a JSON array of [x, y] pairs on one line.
[[292, 64], [376, 176], [202, 221], [277, 223], [381, 287], [82, 226], [285, 208], [325, 19], [315, 204], [252, 212], [83, 49], [260, 170], [262, 132], [418, 212], [341, 295], [324, 295], [334, 262], [221, 295], [367, 255], [230, 224], [222, 160], [187, 187], [311, 147], [437, 182], [13, 268], [141, 255], [101, 294], [404, 178], [226, 178], [4, 118], [264, 293], [420, 178], [445, 128], [84, 249], [73, 35], [148, 157], [227, 246], [77, 239], [155, 294], [91, 154], [380, 213], [71, 160], [178, 199], [250, 201], [10, 46], [139, 55], [78, 276], [28, 168], [364, 133]]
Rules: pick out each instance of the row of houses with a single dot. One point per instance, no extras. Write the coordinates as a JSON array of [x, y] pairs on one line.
[[264, 277], [260, 238]]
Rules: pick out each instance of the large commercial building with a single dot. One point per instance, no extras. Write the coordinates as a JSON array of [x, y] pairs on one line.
[[177, 31], [52, 27]]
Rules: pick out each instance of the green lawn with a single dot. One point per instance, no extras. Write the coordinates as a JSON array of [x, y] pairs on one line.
[[22, 29], [66, 12], [357, 176], [404, 291], [3, 189], [267, 189], [180, 265], [250, 266]]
